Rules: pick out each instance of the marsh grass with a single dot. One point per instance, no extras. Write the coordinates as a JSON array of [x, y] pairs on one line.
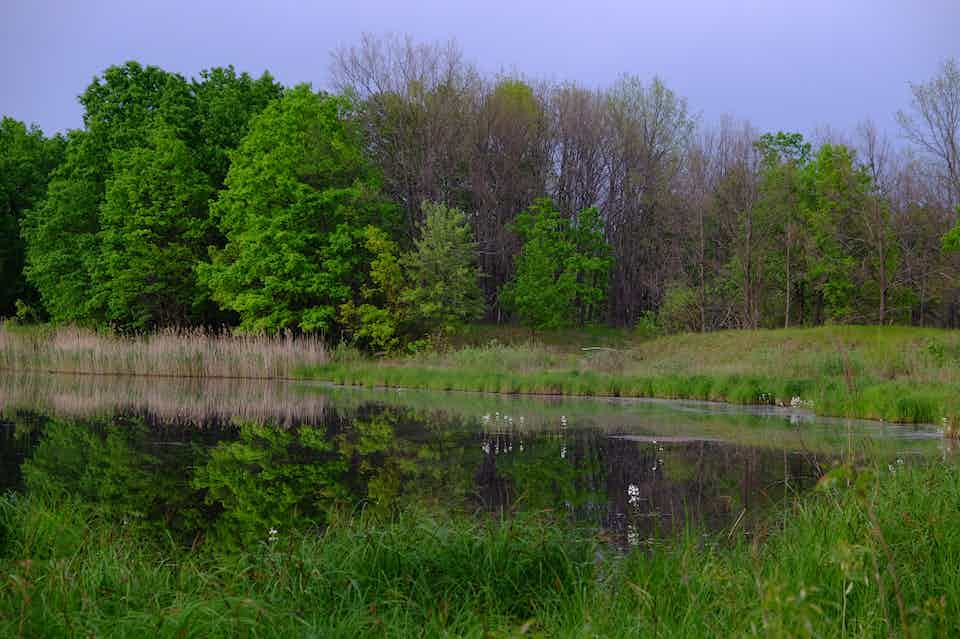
[[189, 353], [872, 554], [894, 374]]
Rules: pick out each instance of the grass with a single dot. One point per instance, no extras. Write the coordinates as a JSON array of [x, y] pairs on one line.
[[873, 554], [190, 353], [897, 374]]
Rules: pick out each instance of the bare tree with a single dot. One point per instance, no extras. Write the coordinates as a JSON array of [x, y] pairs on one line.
[[876, 156], [648, 129], [418, 107], [933, 124]]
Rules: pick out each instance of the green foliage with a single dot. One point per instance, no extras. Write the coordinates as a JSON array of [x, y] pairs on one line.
[[836, 196], [951, 241], [444, 291], [430, 290], [680, 310], [125, 219], [154, 229], [60, 233], [27, 160], [299, 197], [562, 269]]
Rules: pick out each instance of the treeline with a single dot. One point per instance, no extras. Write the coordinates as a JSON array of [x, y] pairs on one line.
[[420, 194]]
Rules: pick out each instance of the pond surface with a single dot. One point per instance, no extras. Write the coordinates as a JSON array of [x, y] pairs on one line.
[[232, 460]]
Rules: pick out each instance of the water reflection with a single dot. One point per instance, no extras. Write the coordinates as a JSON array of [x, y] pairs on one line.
[[233, 462]]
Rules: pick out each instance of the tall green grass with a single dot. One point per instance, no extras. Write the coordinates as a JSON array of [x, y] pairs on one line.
[[874, 555]]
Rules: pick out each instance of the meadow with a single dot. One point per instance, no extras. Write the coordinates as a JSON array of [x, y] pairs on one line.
[[871, 553]]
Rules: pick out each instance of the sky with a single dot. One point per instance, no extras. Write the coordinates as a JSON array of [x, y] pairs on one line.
[[792, 65]]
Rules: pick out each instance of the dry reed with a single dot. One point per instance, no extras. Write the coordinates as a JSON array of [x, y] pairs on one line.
[[175, 353]]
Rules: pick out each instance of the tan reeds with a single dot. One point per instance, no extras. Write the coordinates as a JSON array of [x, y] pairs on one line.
[[175, 353]]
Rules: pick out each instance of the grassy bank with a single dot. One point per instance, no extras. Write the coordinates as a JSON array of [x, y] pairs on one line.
[[193, 353], [891, 373], [874, 556], [897, 374]]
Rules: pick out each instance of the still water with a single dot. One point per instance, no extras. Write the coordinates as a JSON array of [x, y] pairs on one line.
[[230, 461]]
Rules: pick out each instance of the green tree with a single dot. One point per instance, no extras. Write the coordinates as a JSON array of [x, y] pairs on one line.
[[432, 289], [60, 233], [836, 198], [299, 197], [126, 217], [562, 269], [444, 290], [27, 160], [154, 229], [225, 104], [951, 241], [63, 244]]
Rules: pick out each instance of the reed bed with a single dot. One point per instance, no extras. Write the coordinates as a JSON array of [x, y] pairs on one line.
[[175, 353], [871, 554]]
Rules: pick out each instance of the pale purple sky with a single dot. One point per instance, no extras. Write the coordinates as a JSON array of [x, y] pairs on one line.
[[783, 64]]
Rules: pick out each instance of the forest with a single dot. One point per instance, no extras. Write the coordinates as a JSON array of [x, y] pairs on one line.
[[418, 195]]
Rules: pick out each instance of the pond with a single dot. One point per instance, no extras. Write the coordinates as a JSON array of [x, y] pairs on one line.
[[236, 461]]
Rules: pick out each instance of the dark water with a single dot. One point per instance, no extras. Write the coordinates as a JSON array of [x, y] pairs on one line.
[[233, 461]]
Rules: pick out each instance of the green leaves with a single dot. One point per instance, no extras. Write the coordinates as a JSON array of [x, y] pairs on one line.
[[430, 290], [298, 200], [126, 219], [562, 269], [154, 229], [27, 160]]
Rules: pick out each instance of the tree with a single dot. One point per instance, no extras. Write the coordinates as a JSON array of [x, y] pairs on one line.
[[648, 127], [510, 165], [417, 103], [836, 198], [442, 270], [225, 103], [785, 156], [27, 160], [562, 269], [62, 233], [299, 197], [430, 290], [154, 230], [934, 123]]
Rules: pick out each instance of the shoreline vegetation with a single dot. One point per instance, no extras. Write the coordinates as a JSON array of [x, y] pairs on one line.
[[895, 374], [862, 556], [193, 353]]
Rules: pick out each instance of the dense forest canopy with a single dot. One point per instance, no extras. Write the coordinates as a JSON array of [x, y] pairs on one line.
[[419, 194]]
